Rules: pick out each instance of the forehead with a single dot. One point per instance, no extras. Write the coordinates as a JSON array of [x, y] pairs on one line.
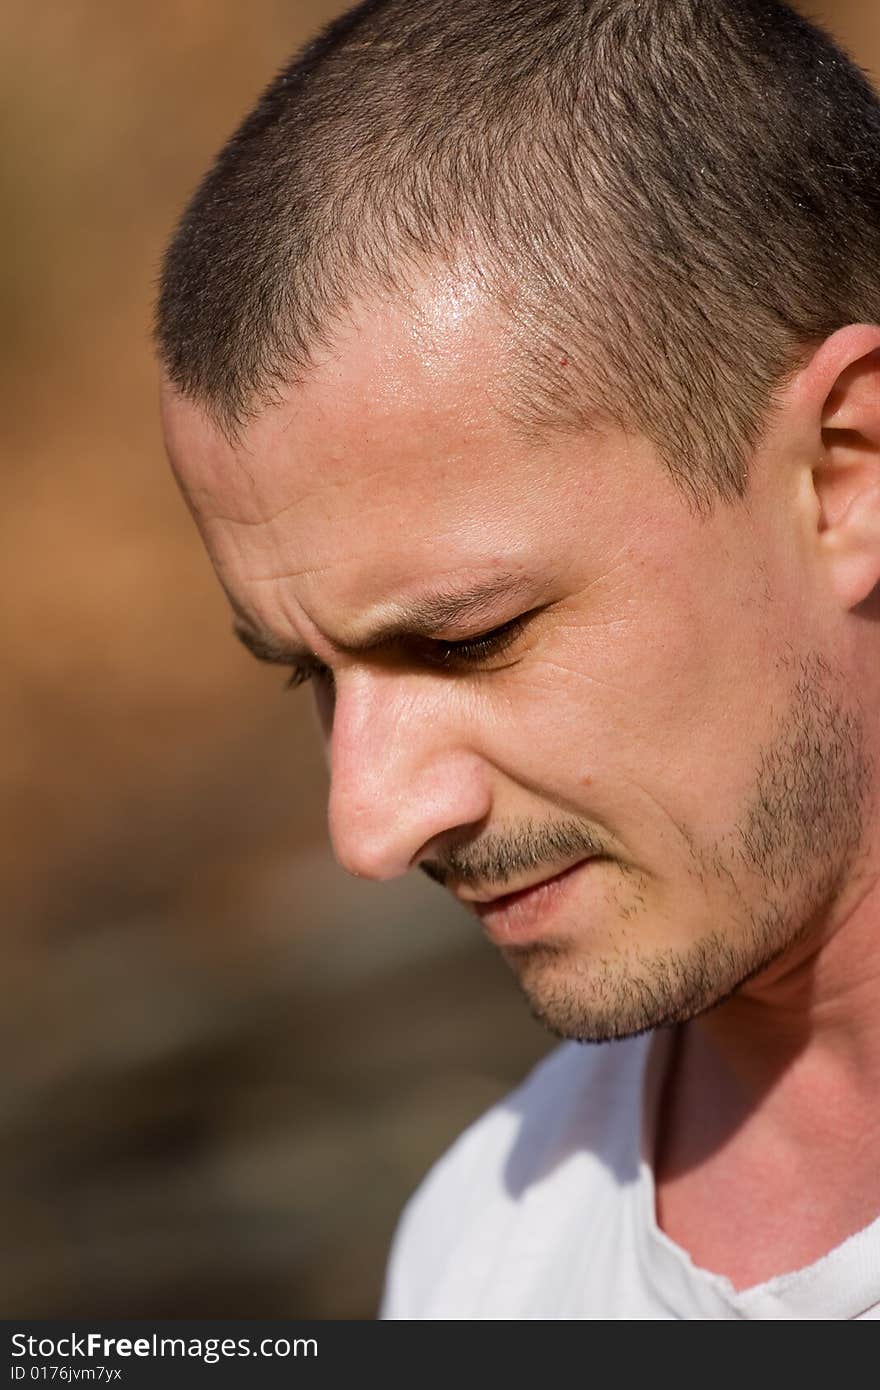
[[394, 464]]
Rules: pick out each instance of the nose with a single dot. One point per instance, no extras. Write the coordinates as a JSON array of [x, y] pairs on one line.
[[403, 771]]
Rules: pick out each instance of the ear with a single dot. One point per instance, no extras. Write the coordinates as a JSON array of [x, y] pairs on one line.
[[843, 380]]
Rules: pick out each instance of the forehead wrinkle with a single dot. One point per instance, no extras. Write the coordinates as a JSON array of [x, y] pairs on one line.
[[363, 479], [307, 572]]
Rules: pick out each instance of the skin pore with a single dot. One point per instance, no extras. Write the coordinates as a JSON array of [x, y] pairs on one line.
[[688, 698]]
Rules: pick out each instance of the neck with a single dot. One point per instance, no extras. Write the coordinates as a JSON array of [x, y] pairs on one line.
[[817, 1006], [770, 1098]]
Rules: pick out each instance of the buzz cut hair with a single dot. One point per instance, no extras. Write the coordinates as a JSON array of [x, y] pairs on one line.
[[670, 203]]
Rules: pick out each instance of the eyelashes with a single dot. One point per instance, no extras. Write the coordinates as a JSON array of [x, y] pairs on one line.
[[475, 649], [300, 674], [445, 655]]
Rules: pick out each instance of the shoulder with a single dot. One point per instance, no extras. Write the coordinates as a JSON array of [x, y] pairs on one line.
[[579, 1103]]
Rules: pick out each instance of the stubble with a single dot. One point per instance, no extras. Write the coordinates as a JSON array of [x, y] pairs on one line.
[[767, 886]]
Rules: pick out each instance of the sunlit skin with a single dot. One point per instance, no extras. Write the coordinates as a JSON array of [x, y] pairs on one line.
[[692, 699]]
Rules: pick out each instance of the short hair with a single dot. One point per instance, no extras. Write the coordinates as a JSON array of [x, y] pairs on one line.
[[671, 202]]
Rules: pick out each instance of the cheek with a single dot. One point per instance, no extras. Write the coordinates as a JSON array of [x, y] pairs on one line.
[[653, 719]]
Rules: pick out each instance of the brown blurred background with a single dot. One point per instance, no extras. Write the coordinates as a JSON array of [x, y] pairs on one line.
[[225, 1065]]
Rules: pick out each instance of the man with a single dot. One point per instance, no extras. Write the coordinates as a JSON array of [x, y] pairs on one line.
[[522, 372]]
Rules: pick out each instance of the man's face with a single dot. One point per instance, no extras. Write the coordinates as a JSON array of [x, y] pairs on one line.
[[593, 699]]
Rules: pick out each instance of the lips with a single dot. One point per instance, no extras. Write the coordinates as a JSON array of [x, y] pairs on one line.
[[514, 918], [473, 900]]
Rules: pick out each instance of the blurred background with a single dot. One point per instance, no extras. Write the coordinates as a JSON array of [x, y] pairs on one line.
[[225, 1064]]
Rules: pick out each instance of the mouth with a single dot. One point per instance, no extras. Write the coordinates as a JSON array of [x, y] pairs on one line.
[[517, 917]]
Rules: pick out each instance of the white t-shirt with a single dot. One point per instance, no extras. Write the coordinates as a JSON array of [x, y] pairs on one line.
[[544, 1208]]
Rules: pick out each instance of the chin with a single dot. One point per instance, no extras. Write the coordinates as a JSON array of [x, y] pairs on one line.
[[619, 997]]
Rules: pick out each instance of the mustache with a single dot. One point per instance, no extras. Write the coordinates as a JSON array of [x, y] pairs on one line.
[[504, 855]]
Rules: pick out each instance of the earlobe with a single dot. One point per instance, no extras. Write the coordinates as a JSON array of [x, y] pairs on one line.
[[846, 481]]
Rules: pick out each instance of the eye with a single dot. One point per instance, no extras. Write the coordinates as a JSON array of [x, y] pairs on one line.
[[300, 674], [468, 652], [475, 649]]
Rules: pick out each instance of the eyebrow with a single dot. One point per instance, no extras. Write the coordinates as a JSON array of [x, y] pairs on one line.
[[421, 617]]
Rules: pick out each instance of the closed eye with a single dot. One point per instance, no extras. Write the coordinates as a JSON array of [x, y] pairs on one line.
[[472, 650], [431, 652], [304, 672]]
